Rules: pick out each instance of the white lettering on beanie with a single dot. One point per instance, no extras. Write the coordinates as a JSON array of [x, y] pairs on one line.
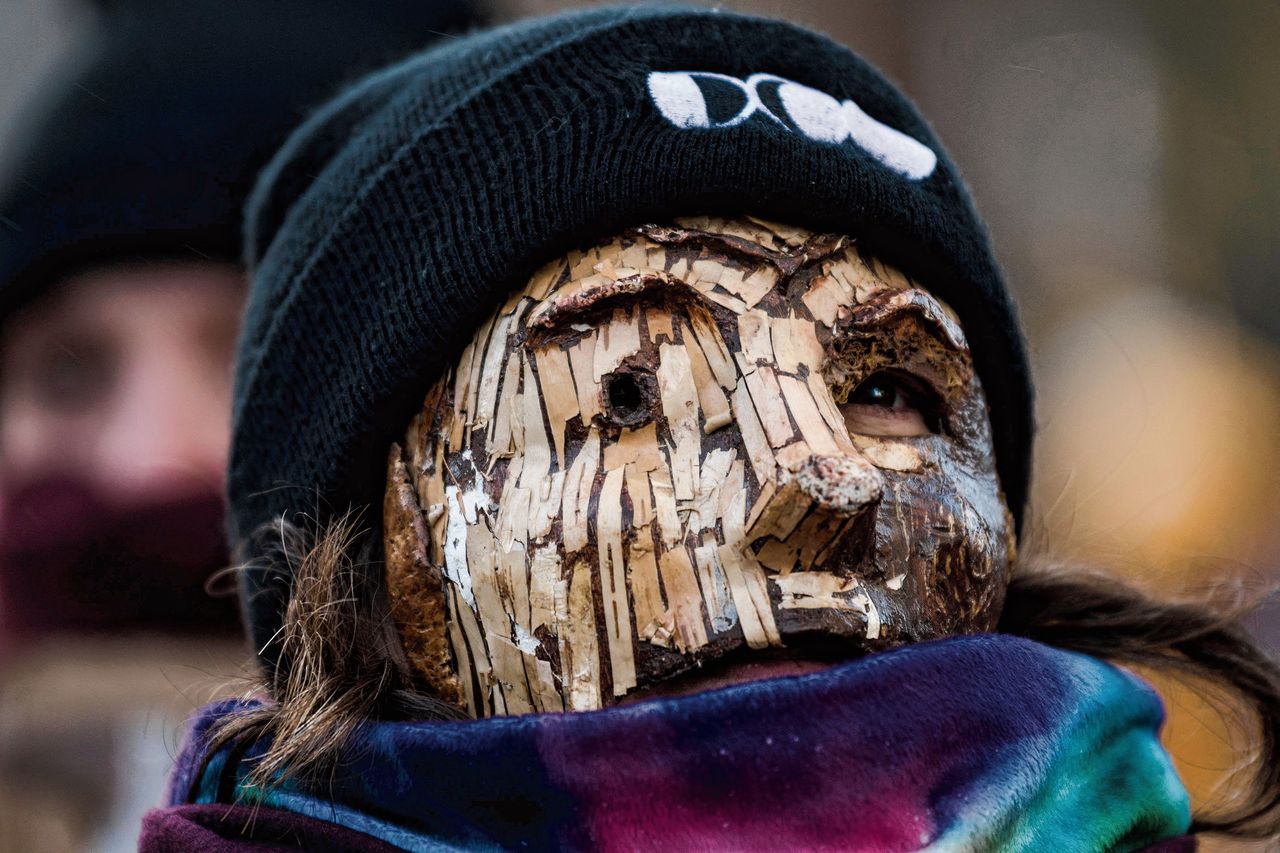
[[681, 97]]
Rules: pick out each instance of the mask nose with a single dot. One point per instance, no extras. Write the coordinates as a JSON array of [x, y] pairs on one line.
[[845, 485], [811, 506]]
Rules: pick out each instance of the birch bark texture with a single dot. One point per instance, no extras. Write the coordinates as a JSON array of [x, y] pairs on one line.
[[648, 460]]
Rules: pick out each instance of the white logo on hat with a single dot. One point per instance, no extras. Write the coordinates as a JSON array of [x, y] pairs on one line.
[[797, 107]]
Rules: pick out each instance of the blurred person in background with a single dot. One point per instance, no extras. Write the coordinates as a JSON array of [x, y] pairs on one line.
[[120, 296]]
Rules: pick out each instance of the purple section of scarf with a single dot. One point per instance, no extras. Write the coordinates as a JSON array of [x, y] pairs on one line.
[[977, 741]]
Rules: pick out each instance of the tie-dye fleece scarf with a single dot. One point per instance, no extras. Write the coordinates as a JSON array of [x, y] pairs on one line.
[[977, 743]]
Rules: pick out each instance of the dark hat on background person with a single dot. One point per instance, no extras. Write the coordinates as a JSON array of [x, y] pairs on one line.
[[150, 151], [393, 222]]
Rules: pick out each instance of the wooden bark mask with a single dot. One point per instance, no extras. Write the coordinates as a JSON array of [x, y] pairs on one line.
[[692, 442]]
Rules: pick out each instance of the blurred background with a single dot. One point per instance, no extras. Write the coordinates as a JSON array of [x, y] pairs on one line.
[[1126, 156]]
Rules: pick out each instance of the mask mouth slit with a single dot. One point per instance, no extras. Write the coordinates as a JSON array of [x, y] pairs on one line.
[[805, 653]]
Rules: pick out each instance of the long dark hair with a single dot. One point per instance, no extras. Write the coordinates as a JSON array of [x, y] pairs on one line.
[[341, 661]]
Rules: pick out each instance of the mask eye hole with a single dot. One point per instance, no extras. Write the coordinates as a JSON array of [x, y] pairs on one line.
[[630, 397], [892, 403]]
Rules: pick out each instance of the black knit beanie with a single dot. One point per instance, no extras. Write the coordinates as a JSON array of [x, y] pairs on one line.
[[150, 150], [393, 222]]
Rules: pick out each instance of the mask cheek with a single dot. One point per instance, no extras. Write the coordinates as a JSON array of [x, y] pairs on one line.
[[941, 546]]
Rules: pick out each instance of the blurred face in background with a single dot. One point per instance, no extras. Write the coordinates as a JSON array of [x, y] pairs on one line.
[[114, 423]]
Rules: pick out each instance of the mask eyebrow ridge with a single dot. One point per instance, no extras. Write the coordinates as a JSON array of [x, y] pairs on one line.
[[893, 306], [583, 305]]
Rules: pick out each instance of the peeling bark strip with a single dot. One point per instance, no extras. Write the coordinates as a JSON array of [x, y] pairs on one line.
[[418, 591], [649, 457]]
